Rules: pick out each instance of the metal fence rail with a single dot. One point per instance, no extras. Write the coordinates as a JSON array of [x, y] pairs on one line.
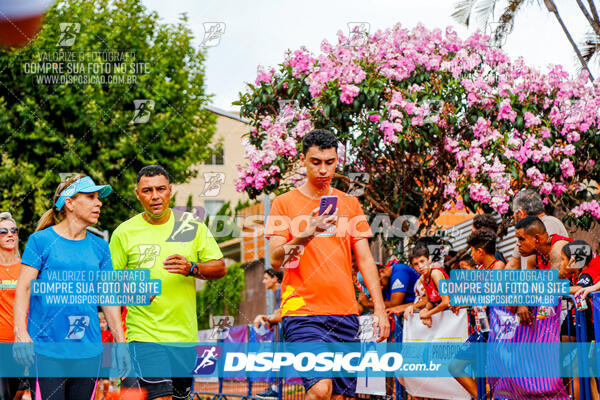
[[248, 390]]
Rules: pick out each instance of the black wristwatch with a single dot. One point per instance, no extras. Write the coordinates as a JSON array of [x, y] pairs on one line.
[[193, 269]]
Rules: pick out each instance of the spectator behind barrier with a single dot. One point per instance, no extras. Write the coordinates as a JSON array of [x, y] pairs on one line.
[[582, 268], [528, 203], [487, 221], [432, 303], [272, 281], [467, 262], [483, 248], [398, 283]]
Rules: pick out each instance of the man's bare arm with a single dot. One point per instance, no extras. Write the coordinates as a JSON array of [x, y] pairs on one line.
[[395, 300], [366, 266], [514, 263], [277, 247], [213, 269], [316, 224], [555, 254]]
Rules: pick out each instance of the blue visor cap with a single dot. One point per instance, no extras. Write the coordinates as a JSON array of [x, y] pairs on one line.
[[83, 185]]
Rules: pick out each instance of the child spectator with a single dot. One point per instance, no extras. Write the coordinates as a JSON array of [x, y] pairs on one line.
[[487, 221], [467, 262], [431, 274], [483, 248], [582, 268]]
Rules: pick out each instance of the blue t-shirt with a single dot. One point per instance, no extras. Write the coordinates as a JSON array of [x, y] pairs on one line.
[[402, 280], [277, 299], [73, 330]]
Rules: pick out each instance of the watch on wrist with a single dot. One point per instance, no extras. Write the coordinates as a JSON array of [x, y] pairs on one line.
[[193, 269]]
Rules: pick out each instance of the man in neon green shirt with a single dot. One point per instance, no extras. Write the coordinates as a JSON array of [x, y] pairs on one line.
[[176, 249]]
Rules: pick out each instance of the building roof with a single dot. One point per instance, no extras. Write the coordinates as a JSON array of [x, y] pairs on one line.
[[227, 114]]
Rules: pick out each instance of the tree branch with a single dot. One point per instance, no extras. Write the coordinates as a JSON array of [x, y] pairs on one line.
[[371, 200], [595, 25], [594, 11], [552, 8]]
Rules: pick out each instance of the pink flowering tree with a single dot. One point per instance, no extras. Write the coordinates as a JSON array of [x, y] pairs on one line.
[[433, 120]]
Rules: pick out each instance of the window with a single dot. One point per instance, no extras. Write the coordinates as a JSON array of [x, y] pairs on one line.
[[212, 207], [216, 158]]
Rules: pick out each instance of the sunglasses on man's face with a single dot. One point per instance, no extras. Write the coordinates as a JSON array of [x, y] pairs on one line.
[[4, 231]]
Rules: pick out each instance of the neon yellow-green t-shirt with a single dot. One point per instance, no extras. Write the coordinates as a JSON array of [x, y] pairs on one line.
[[137, 244]]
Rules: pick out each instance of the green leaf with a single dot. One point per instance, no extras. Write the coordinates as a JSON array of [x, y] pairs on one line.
[[86, 127]]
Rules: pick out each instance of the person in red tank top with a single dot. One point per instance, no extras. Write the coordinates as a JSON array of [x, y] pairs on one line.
[[533, 239], [588, 281], [431, 274]]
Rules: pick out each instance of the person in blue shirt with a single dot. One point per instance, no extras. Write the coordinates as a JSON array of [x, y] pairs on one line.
[[65, 338], [272, 281], [398, 283]]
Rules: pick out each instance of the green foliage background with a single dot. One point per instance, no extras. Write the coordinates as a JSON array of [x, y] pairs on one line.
[[221, 297], [51, 128]]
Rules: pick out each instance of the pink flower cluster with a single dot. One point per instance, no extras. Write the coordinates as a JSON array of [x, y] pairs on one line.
[[283, 135], [500, 115], [349, 92], [591, 207], [263, 75], [301, 62]]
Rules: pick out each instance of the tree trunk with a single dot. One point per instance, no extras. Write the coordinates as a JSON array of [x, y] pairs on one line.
[[552, 8]]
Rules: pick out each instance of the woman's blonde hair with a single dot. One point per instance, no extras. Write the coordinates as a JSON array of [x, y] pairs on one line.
[[53, 216], [6, 216]]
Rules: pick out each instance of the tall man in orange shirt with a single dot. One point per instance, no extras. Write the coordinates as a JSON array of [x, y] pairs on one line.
[[318, 302]]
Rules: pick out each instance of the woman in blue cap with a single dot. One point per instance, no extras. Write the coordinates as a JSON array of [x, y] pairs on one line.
[[66, 338]]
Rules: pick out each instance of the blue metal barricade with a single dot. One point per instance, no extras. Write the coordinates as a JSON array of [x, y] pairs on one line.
[[480, 359], [396, 337], [248, 386], [582, 349], [595, 302]]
